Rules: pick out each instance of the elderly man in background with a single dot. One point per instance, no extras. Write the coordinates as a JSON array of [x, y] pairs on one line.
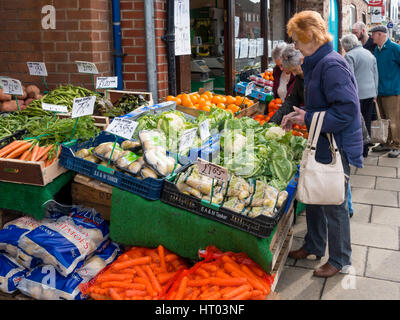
[[363, 64], [387, 54], [360, 31]]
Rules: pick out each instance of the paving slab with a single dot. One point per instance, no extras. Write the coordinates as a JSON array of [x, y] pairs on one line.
[[353, 170], [383, 264], [385, 215], [351, 287], [389, 162], [376, 197], [391, 184], [360, 181], [299, 284], [300, 227], [389, 172], [361, 212], [375, 235], [371, 161]]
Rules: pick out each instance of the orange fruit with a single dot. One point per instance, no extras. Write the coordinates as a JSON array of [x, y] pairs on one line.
[[206, 108], [178, 101], [201, 101], [216, 99], [233, 107], [194, 98], [221, 105], [209, 94], [205, 97], [239, 100], [230, 99], [278, 101], [170, 98]]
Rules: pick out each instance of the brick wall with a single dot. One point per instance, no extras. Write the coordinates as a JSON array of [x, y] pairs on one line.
[[83, 32], [134, 45], [360, 5]]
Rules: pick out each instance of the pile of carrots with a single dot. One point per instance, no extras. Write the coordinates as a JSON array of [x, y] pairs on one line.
[[206, 100], [223, 278], [300, 131], [28, 150], [138, 274]]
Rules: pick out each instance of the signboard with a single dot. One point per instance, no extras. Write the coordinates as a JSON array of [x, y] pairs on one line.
[[212, 170], [54, 107], [37, 69], [260, 47], [187, 139], [86, 67], [376, 15], [390, 25], [83, 106], [375, 3], [244, 48], [106, 82], [252, 48], [11, 86], [122, 127], [182, 27]]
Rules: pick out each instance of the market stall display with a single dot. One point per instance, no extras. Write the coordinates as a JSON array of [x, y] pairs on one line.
[[10, 103]]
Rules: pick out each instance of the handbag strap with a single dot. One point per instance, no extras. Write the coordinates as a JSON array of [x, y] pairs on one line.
[[318, 129], [378, 114], [311, 132]]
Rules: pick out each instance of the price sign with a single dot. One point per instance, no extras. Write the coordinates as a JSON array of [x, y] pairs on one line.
[[204, 128], [37, 69], [249, 88], [86, 67], [212, 170], [83, 106], [122, 127], [54, 107], [11, 86], [106, 82], [187, 139]]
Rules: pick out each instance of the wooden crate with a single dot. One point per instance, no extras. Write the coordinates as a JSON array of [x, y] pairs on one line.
[[29, 172], [115, 95], [7, 216], [92, 193], [280, 263], [99, 121]]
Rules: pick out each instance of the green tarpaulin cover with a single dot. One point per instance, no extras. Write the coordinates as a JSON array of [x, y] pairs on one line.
[[140, 222], [29, 199]]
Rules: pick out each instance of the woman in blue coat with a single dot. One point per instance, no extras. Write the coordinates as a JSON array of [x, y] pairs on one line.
[[329, 86]]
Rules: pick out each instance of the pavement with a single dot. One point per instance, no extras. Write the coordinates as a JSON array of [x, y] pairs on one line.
[[375, 238]]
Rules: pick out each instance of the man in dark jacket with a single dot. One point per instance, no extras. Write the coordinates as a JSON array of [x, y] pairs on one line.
[[360, 31]]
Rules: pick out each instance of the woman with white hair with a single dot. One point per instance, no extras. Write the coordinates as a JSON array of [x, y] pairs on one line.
[[283, 80], [363, 64], [291, 62]]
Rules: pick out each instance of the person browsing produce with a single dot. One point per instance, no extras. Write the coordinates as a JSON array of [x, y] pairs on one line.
[[291, 62], [329, 86]]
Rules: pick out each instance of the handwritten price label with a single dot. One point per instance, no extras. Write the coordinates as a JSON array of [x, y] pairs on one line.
[[212, 170], [122, 127], [11, 86], [187, 139], [106, 82], [83, 106], [249, 88], [54, 107], [37, 69], [204, 128], [86, 67]]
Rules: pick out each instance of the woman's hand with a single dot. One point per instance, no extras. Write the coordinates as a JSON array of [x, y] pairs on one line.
[[295, 117]]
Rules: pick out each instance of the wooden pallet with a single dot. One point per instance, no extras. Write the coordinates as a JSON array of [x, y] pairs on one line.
[[92, 193], [280, 262]]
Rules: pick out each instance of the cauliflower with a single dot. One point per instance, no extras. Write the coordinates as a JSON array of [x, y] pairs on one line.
[[236, 144], [275, 133]]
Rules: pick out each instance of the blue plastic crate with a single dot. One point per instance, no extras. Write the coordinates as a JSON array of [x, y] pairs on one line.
[[207, 151], [148, 188], [291, 189]]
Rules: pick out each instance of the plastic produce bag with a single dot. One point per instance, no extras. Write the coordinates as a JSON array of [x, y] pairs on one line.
[[67, 237], [46, 283], [10, 236], [11, 273]]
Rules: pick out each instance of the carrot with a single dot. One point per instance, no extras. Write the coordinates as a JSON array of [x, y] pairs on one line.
[[20, 150], [171, 257], [114, 294], [212, 296], [161, 254], [261, 297], [154, 282], [237, 291], [11, 147], [113, 277], [202, 272], [25, 155], [257, 293], [131, 293], [228, 282], [210, 267], [164, 277], [198, 283], [34, 152], [131, 263], [96, 296], [195, 294], [254, 277], [182, 288], [145, 281], [222, 274], [257, 271], [42, 151], [122, 284], [242, 296]]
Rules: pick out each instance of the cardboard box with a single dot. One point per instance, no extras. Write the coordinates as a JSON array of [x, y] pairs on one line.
[[29, 172]]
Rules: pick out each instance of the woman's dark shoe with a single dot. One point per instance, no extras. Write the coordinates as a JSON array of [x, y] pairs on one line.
[[326, 271], [380, 148], [394, 153], [301, 254]]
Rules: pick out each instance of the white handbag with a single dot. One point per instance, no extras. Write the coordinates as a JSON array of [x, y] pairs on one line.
[[322, 184]]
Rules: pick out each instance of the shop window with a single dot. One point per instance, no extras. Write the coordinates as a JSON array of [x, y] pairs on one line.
[[352, 16], [364, 17]]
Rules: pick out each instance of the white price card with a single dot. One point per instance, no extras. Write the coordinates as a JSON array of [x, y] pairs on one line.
[[83, 106], [187, 139], [244, 48], [260, 47], [212, 170], [122, 127], [54, 107], [86, 67], [237, 48], [204, 128], [37, 69], [11, 86], [106, 82], [252, 48]]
